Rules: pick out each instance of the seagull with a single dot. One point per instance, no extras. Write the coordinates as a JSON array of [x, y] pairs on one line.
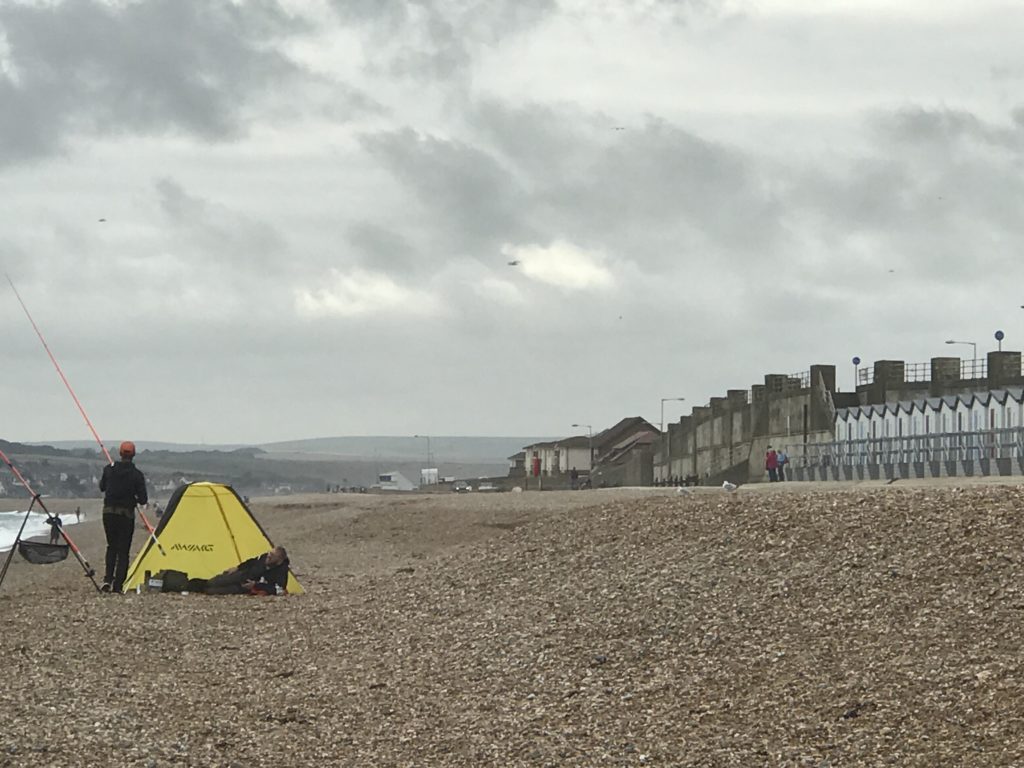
[[514, 263], [728, 487], [681, 491], [103, 221], [618, 128]]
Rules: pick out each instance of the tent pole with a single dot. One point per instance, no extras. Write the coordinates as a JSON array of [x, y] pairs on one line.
[[74, 397]]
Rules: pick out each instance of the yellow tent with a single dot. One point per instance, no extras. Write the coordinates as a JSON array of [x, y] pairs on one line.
[[205, 530]]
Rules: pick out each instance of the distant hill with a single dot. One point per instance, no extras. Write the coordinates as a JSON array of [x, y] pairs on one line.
[[443, 449], [142, 445], [71, 467]]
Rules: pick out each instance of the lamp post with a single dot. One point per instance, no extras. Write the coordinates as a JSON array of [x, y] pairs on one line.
[[974, 359], [427, 438], [590, 445], [663, 401], [666, 460]]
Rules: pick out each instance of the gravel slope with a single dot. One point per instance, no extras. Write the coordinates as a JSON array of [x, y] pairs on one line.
[[819, 628]]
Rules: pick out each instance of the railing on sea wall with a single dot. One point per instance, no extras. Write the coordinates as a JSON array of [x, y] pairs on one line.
[[913, 372], [947, 446], [921, 372], [973, 369]]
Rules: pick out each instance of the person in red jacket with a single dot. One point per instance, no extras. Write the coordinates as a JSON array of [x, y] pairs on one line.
[[771, 463]]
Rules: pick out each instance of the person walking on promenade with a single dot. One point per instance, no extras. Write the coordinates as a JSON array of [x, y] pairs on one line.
[[124, 486], [771, 463], [782, 460]]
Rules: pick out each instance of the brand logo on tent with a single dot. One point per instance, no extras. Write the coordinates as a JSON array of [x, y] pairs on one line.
[[193, 547]]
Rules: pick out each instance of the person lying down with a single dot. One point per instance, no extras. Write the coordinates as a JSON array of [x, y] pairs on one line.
[[266, 574]]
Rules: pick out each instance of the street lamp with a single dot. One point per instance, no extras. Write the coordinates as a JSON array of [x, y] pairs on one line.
[[590, 444], [427, 437], [663, 401], [664, 438], [974, 359]]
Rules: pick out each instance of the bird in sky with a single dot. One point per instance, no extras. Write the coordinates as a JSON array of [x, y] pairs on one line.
[[103, 221], [514, 263], [618, 127]]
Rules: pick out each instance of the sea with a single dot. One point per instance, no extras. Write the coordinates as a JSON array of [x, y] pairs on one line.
[[10, 522]]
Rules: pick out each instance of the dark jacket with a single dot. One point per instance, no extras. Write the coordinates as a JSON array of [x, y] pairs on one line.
[[256, 569], [123, 485]]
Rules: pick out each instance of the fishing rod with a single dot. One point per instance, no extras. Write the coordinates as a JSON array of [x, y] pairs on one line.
[[81, 410], [89, 570]]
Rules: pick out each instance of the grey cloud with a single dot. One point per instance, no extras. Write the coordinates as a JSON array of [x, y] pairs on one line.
[[429, 39], [657, 184], [934, 196], [383, 248], [662, 173], [477, 202], [681, 12], [147, 67], [918, 125], [216, 237]]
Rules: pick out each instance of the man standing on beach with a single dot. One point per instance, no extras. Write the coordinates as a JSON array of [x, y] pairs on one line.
[[123, 486], [55, 525]]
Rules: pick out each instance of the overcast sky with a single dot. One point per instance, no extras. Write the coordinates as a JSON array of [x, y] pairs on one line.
[[310, 207]]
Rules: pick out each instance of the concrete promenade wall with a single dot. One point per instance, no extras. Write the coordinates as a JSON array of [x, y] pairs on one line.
[[1002, 467], [728, 438]]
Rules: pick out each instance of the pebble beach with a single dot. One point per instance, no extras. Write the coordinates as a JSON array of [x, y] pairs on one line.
[[814, 626]]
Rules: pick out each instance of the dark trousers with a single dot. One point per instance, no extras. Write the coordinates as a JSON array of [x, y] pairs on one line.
[[227, 584], [782, 472], [119, 530], [773, 475]]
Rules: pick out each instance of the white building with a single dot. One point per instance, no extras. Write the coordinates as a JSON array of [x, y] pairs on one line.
[[560, 456], [394, 481]]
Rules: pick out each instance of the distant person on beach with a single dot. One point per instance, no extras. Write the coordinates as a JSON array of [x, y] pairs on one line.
[[55, 524], [124, 486], [574, 479], [266, 574], [78, 514], [771, 463]]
